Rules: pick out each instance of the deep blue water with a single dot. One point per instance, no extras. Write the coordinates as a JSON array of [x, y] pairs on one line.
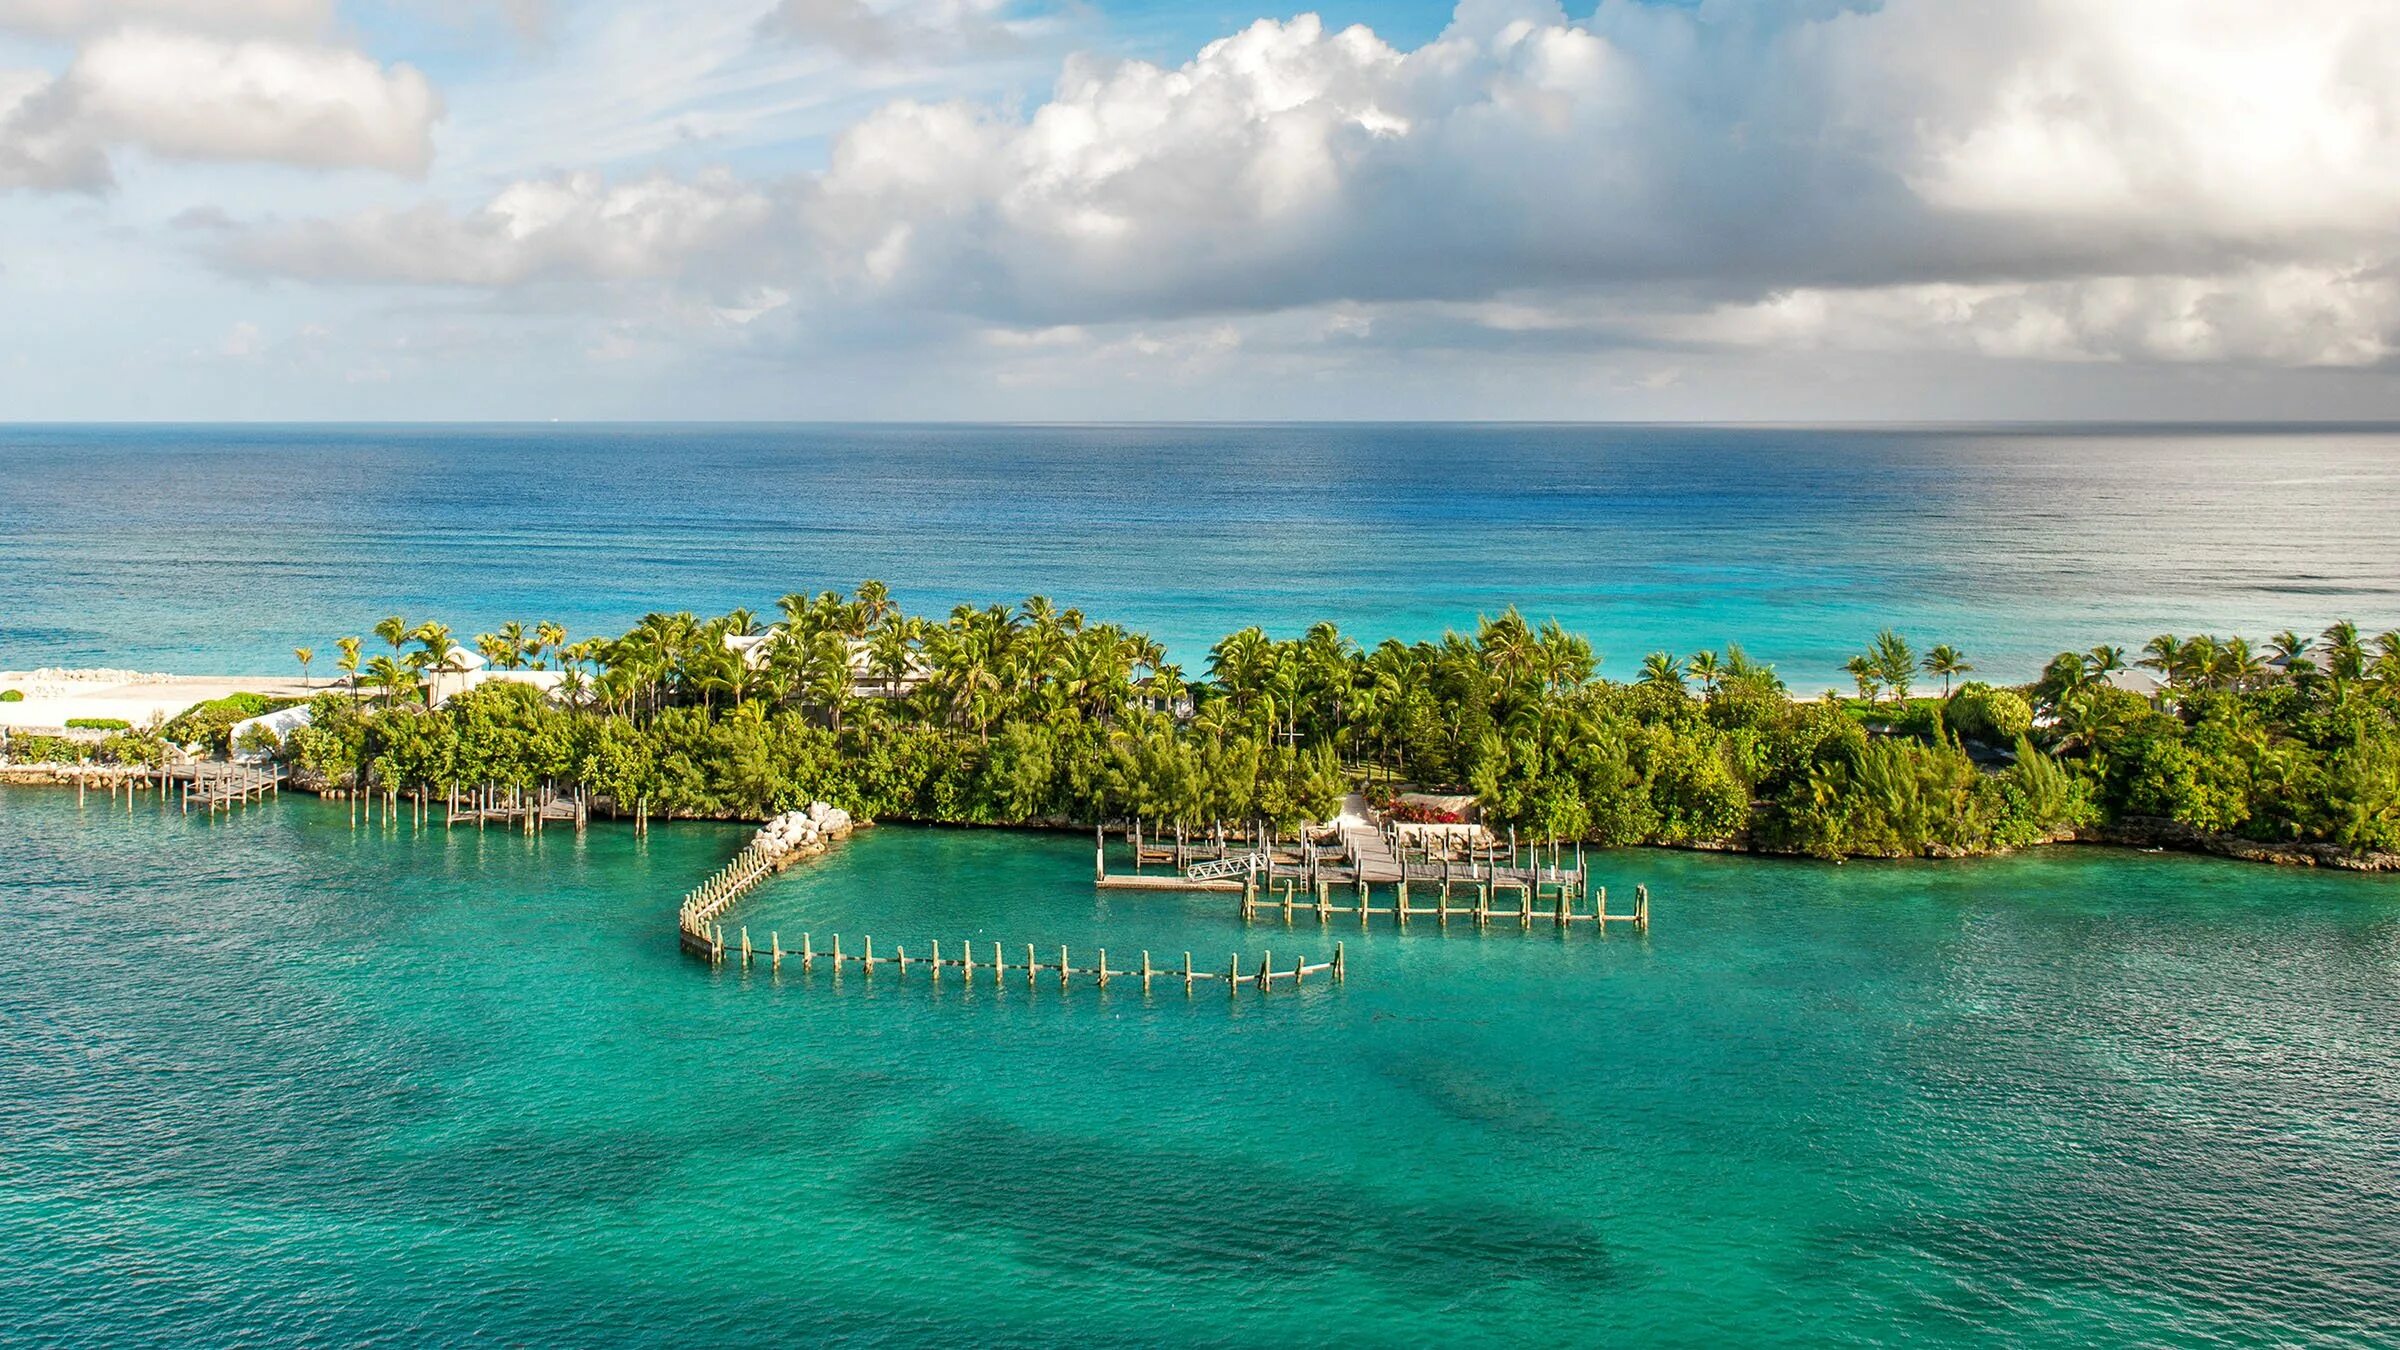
[[221, 548]]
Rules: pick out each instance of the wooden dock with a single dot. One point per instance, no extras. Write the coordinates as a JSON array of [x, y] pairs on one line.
[[1237, 972], [516, 807], [1337, 874], [214, 787]]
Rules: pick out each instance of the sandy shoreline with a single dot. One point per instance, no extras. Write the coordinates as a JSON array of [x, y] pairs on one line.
[[53, 696]]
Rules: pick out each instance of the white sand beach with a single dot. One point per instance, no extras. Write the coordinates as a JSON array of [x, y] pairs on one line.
[[53, 696]]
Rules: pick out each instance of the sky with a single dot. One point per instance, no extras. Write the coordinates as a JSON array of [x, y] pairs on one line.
[[1721, 210]]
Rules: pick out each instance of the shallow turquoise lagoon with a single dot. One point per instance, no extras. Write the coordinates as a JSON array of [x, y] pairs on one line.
[[269, 1079]]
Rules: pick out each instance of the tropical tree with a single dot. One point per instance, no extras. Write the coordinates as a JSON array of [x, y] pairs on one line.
[[1895, 662], [2345, 655], [515, 646], [1661, 670], [391, 676], [348, 664], [434, 638], [1949, 663], [2387, 656], [1707, 669], [2164, 654], [874, 603], [394, 630], [304, 655], [1868, 674]]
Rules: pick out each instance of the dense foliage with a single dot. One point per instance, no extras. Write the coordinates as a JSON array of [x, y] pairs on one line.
[[210, 725], [1036, 715]]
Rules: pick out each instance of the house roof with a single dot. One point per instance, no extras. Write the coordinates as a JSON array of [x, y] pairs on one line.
[[2136, 682]]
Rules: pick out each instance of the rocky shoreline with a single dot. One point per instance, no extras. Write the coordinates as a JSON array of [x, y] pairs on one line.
[[795, 835]]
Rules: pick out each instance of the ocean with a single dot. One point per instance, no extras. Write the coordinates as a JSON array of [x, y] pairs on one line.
[[219, 549], [270, 1078]]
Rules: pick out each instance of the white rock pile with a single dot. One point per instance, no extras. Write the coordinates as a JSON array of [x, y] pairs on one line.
[[795, 833]]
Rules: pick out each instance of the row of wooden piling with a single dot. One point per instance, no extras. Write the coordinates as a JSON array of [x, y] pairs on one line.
[[696, 918], [210, 788], [1236, 974]]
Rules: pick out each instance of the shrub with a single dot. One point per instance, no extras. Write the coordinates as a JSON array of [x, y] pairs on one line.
[[258, 741], [48, 750], [98, 724], [211, 723], [12, 696], [1979, 712]]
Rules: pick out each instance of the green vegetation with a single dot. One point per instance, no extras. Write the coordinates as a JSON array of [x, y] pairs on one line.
[[210, 725], [1036, 715], [12, 696], [98, 724]]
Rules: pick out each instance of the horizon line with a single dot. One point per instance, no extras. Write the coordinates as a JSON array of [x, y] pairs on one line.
[[2314, 424]]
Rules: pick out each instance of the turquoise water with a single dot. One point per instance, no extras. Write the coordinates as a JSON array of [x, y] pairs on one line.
[[268, 1079], [221, 548]]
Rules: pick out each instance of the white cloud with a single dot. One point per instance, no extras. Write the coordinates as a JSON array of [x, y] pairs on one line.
[[2289, 315], [576, 226], [78, 18], [183, 96], [2142, 180], [908, 31]]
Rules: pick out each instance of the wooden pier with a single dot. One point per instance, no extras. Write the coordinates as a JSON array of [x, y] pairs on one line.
[[1337, 874], [516, 807], [1063, 973], [213, 787]]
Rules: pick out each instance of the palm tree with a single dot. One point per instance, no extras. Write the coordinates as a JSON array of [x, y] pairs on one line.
[[2163, 654], [551, 637], [1949, 663], [874, 602], [1662, 670], [1567, 659], [1707, 669], [2242, 669], [435, 638], [2387, 656], [1894, 661], [392, 676], [1239, 663], [2103, 661], [348, 664], [1508, 647], [2345, 655], [513, 646], [1869, 675], [304, 655], [396, 631]]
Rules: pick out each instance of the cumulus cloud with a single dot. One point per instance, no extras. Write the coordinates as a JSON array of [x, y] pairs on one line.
[[2289, 315], [577, 226], [2165, 180], [187, 96], [77, 18]]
